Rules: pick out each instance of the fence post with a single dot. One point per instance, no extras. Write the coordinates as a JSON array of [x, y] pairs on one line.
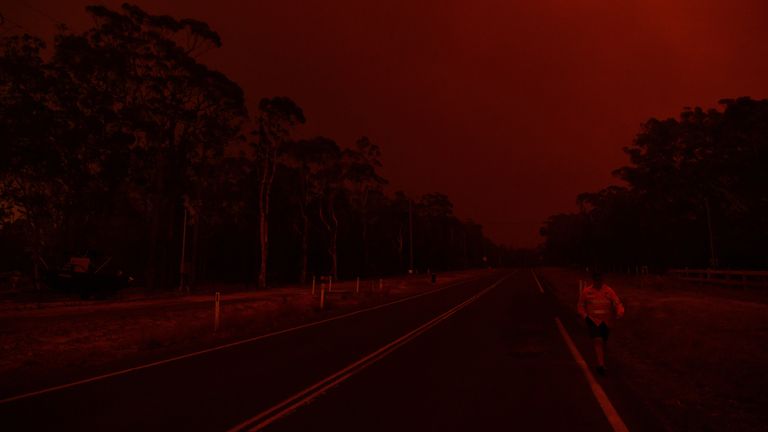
[[216, 311]]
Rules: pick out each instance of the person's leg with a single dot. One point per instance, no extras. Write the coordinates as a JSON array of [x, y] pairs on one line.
[[600, 345], [599, 351]]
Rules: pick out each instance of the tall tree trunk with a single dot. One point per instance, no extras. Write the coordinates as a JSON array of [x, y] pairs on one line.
[[334, 242], [194, 272], [334, 256], [160, 238], [265, 187], [153, 255], [332, 225], [264, 243], [365, 242], [399, 246], [304, 246]]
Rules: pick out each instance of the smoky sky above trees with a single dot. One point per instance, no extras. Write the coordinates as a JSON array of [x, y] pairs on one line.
[[511, 108], [120, 144], [696, 195]]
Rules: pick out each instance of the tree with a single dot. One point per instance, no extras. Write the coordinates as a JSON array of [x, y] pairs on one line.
[[363, 180], [180, 115], [277, 117], [310, 158], [695, 194], [330, 184], [31, 164]]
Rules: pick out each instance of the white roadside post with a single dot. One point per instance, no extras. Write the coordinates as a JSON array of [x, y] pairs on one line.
[[313, 286], [216, 311], [357, 285], [322, 296]]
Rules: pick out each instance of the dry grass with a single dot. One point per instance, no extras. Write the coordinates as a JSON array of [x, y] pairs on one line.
[[697, 354], [54, 342]]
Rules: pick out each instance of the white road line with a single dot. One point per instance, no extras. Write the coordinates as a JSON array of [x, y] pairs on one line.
[[282, 409], [225, 346], [610, 412], [537, 281]]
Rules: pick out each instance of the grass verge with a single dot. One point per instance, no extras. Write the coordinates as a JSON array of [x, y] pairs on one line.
[[696, 354]]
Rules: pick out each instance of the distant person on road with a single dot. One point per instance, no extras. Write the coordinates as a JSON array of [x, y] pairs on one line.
[[599, 307]]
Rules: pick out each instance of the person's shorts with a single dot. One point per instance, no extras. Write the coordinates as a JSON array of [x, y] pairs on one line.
[[597, 331]]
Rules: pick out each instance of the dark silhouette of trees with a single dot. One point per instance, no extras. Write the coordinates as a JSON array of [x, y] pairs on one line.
[[310, 159], [31, 162], [141, 71], [277, 116], [363, 181], [330, 184], [695, 195], [121, 134]]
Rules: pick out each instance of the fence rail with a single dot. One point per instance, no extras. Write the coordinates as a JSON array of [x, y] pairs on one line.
[[723, 277]]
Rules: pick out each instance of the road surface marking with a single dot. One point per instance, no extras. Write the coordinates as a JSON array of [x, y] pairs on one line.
[[613, 417], [537, 281], [229, 345], [269, 416]]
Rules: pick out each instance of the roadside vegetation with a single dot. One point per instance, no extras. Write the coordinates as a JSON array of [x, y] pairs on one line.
[[119, 142], [695, 354], [52, 343], [695, 194]]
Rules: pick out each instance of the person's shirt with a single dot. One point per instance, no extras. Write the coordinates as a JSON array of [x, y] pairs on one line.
[[600, 305]]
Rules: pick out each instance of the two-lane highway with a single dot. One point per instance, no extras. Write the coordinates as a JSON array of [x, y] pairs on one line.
[[500, 364], [480, 355]]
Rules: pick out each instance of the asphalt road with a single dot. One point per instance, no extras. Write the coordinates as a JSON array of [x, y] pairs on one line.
[[478, 356]]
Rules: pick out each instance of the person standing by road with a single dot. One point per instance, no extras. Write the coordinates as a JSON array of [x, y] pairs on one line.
[[599, 307]]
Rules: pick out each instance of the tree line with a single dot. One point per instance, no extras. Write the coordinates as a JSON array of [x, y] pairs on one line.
[[694, 194], [121, 142]]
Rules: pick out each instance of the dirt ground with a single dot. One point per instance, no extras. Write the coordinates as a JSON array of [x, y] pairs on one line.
[[697, 354], [45, 343]]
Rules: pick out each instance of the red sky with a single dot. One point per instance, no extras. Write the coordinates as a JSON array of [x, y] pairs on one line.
[[512, 108]]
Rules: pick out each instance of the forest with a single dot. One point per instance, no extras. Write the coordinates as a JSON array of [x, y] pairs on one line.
[[694, 194], [118, 143]]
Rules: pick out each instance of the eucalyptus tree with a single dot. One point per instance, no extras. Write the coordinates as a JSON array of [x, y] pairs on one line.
[[435, 215], [363, 180], [276, 119], [143, 70], [310, 158], [330, 183], [33, 190]]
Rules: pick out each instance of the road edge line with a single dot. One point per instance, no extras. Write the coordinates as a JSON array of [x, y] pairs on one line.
[[602, 399], [225, 346], [536, 278]]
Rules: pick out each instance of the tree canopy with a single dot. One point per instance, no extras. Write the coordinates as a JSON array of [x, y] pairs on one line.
[[121, 140], [695, 194]]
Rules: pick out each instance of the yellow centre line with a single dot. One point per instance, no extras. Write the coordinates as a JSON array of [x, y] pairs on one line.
[[231, 344], [282, 409], [536, 278]]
